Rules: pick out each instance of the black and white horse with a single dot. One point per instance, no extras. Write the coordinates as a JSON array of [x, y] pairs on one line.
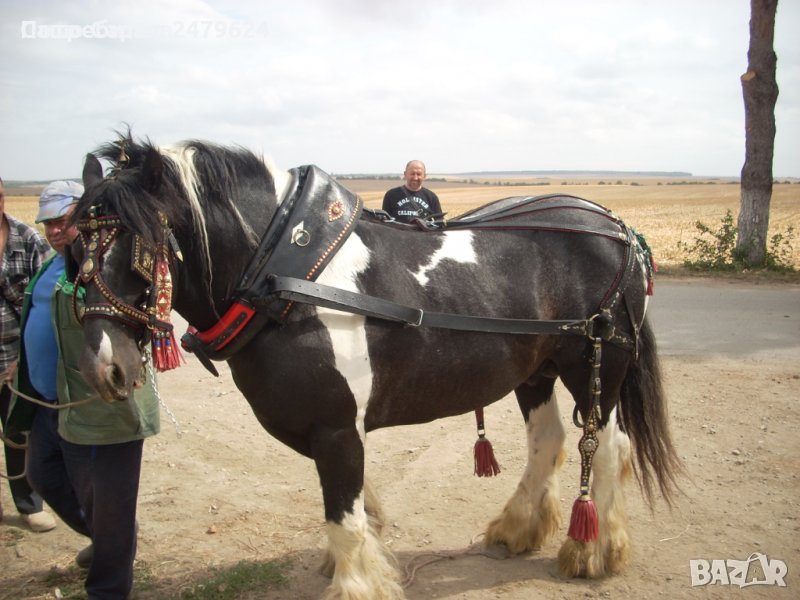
[[320, 379]]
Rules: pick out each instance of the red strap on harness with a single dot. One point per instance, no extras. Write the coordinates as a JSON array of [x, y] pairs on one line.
[[227, 328]]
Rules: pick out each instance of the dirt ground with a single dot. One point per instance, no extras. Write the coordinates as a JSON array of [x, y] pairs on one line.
[[221, 490]]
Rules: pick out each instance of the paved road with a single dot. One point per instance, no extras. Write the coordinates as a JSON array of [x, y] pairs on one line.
[[701, 318]]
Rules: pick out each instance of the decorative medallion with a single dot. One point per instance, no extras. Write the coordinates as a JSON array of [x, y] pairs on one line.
[[143, 259], [335, 210]]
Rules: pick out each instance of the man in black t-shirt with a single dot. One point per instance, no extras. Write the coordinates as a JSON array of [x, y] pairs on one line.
[[411, 201]]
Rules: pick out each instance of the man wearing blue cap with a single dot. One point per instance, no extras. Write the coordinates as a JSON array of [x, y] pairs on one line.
[[84, 458], [22, 251]]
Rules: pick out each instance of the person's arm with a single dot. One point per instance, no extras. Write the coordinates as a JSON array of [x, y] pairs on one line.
[[390, 203], [436, 207]]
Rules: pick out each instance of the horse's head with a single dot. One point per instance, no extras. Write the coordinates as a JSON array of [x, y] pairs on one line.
[[216, 200], [122, 262]]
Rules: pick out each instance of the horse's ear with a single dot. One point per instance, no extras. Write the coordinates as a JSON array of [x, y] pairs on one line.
[[92, 171], [152, 170]]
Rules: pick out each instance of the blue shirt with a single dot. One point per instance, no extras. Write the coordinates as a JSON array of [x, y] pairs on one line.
[[39, 337]]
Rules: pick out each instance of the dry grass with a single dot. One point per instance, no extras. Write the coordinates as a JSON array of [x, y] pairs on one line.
[[23, 208], [665, 214]]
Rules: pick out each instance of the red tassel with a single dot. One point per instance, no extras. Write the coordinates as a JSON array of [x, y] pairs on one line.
[[166, 353], [583, 524], [650, 280], [485, 463]]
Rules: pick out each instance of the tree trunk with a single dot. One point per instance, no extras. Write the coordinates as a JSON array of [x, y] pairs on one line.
[[760, 91]]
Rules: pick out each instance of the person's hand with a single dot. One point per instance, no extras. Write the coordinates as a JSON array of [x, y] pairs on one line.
[[8, 374]]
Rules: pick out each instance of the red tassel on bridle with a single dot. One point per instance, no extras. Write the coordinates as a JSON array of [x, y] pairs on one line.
[[485, 462], [166, 353]]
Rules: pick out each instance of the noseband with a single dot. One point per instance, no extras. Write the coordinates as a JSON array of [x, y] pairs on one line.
[[98, 234]]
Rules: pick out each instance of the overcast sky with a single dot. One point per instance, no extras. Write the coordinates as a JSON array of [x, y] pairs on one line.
[[362, 86]]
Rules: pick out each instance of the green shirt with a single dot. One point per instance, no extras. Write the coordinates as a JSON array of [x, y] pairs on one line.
[[95, 422]]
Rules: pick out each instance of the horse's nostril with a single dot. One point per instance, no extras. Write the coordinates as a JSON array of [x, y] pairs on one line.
[[116, 376]]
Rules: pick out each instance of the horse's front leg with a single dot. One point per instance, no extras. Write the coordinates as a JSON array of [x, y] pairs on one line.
[[363, 568]]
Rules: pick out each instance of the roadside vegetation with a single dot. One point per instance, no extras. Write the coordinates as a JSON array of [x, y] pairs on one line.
[[715, 249]]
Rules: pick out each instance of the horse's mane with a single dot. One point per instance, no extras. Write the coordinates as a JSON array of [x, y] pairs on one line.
[[198, 177], [196, 174]]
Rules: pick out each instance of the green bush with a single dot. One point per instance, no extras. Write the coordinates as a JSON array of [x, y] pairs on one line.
[[715, 250]]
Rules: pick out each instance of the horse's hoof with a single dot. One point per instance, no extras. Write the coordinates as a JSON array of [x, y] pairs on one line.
[[496, 551], [328, 566], [577, 559]]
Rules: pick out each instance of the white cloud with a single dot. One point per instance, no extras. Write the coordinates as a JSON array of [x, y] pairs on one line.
[[362, 85]]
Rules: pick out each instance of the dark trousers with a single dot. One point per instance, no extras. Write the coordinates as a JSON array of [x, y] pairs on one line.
[[25, 499], [94, 489]]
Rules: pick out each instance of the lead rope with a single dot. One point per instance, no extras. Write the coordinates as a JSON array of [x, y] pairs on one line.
[[12, 444], [51, 406]]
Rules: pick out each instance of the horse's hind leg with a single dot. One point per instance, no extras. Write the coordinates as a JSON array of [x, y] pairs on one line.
[[363, 568], [532, 514], [611, 466]]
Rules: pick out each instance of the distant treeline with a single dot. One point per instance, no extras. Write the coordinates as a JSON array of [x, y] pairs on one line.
[[575, 173], [34, 188], [522, 182], [517, 174]]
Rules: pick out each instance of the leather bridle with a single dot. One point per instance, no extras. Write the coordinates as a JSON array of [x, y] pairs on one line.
[[98, 234]]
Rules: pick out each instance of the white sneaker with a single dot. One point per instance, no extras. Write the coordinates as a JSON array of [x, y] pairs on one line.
[[40, 521]]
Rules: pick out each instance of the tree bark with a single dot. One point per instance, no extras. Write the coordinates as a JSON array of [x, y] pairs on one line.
[[760, 91]]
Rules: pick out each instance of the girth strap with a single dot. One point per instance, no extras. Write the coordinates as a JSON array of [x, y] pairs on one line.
[[299, 290]]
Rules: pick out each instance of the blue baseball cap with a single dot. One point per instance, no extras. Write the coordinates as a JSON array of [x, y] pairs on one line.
[[56, 199]]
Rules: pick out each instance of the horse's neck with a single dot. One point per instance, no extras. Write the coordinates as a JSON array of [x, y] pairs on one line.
[[281, 178], [195, 303]]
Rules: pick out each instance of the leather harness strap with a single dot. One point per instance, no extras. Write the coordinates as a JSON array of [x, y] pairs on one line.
[[292, 288], [265, 296]]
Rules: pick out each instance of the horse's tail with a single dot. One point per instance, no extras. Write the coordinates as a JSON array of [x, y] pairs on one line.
[[643, 416]]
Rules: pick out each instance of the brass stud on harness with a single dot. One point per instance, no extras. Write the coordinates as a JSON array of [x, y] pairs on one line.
[[88, 266]]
